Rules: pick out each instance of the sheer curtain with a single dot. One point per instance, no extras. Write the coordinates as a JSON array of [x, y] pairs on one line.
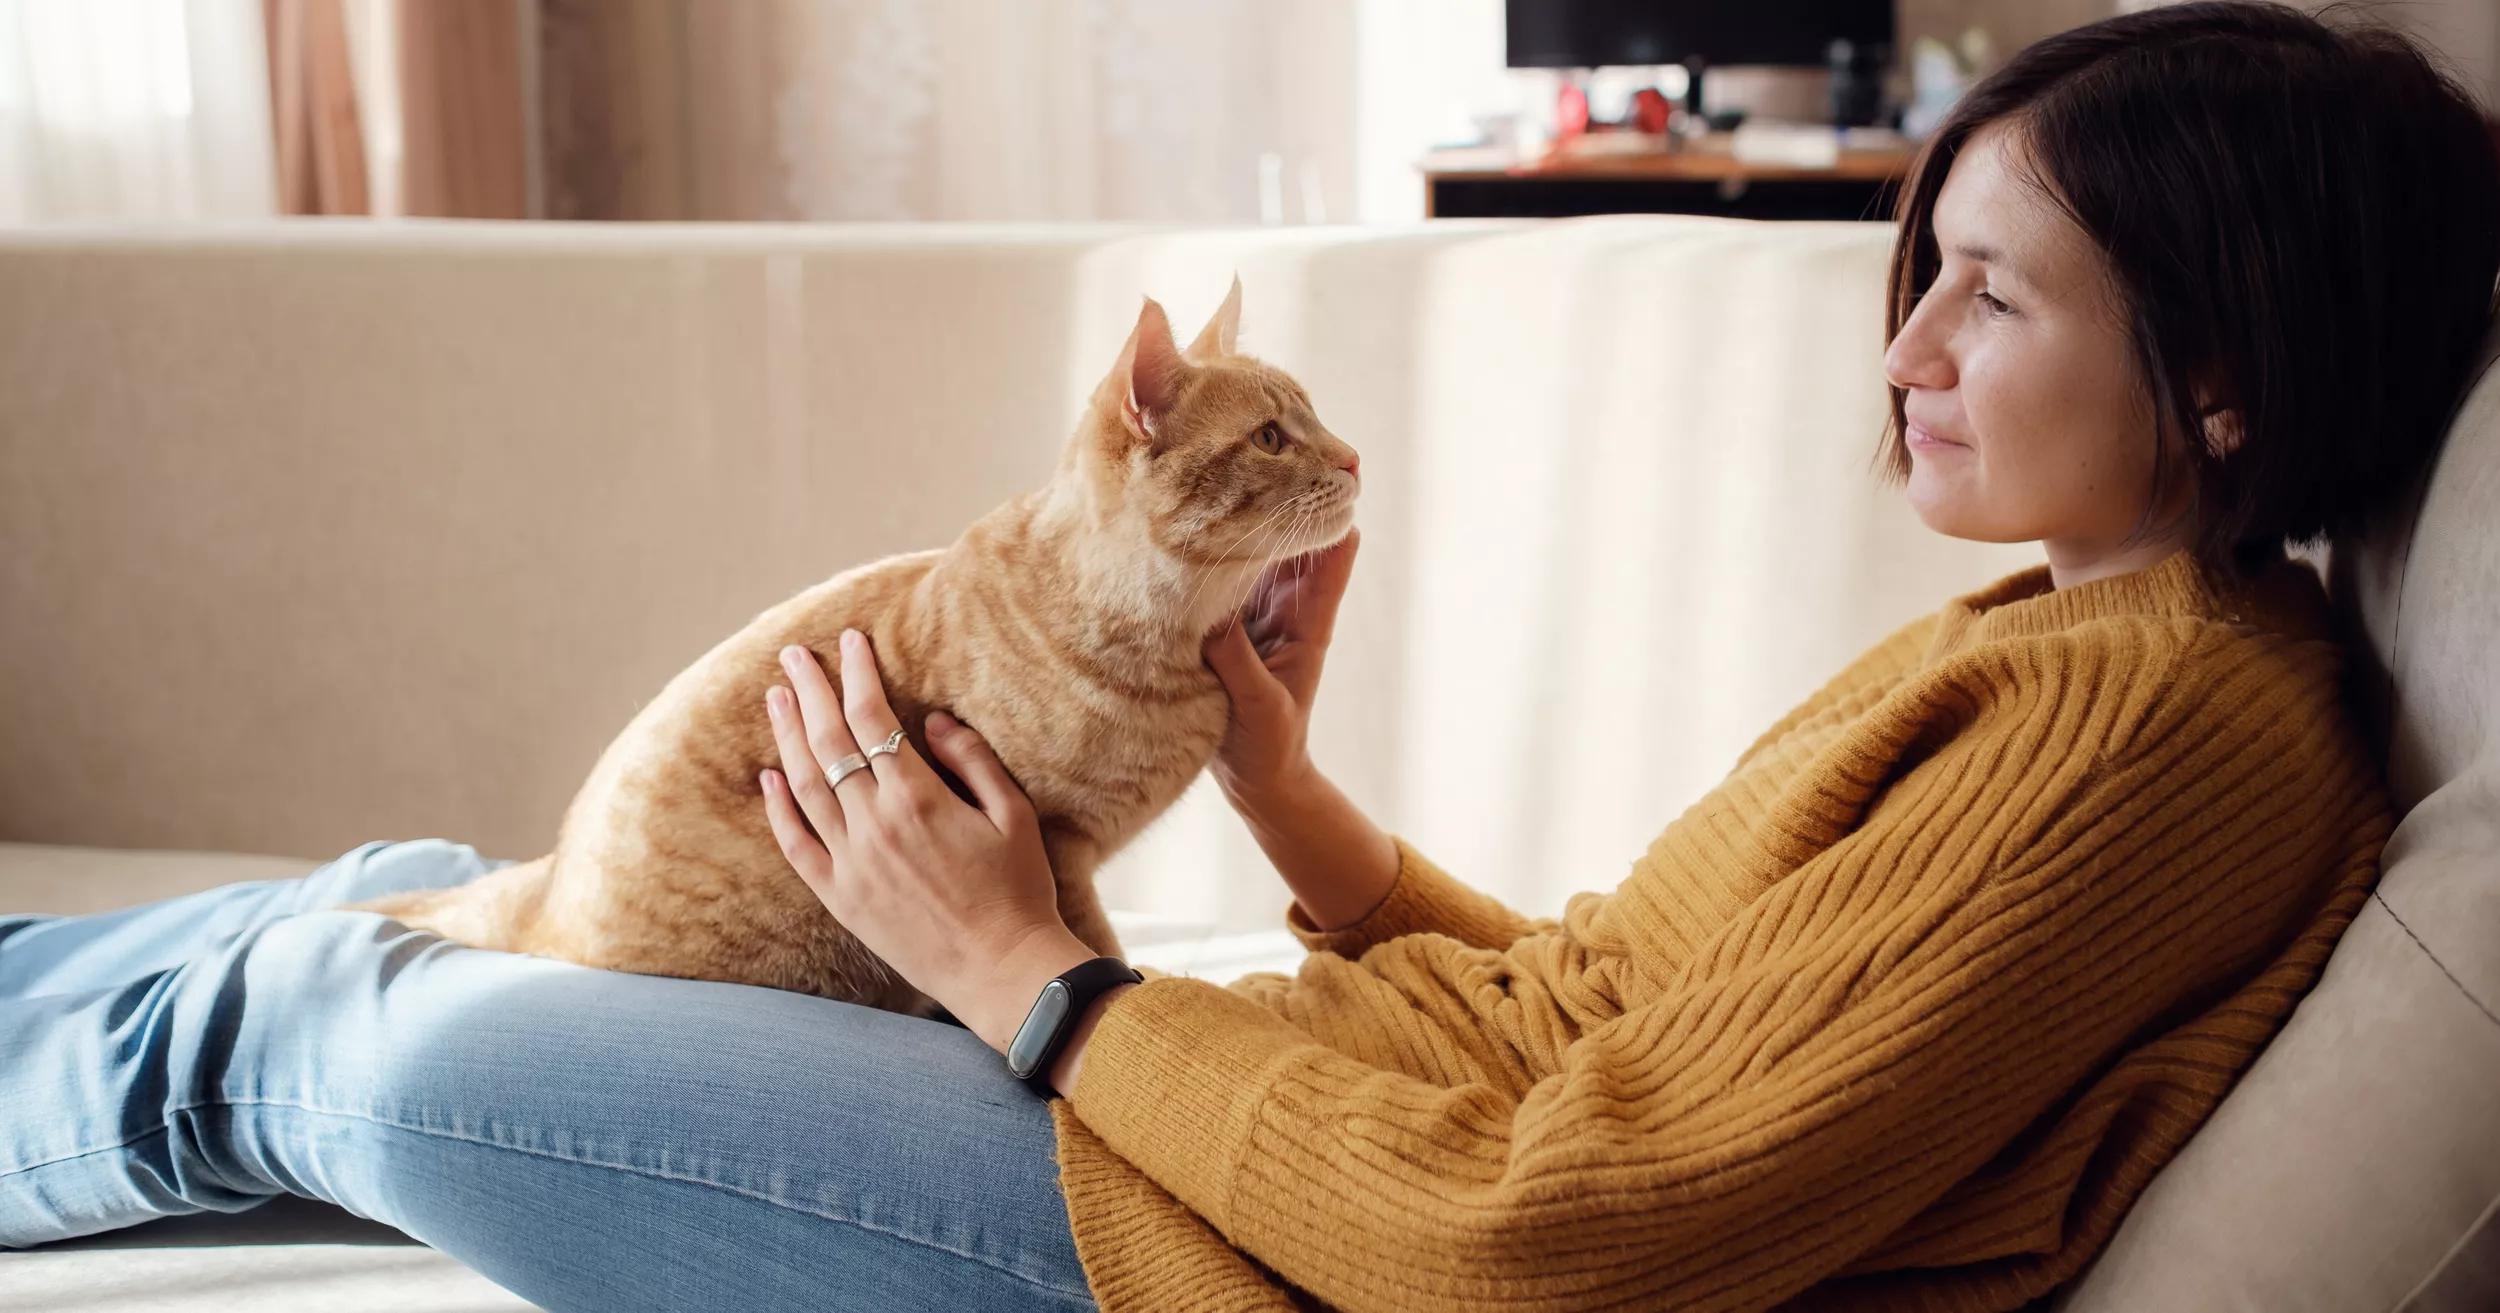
[[152, 109]]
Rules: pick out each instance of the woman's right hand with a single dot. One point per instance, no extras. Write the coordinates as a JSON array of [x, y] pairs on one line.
[[1337, 862], [1269, 657]]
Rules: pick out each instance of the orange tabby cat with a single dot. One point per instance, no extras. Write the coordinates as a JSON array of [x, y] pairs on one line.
[[1065, 626]]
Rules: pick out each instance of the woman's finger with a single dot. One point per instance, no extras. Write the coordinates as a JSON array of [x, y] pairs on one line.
[[1325, 579], [1295, 602], [970, 756], [1246, 677], [807, 855], [802, 777], [1311, 599], [1306, 597], [873, 721], [825, 731]]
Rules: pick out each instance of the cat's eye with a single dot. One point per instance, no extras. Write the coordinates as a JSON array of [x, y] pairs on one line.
[[1269, 439]]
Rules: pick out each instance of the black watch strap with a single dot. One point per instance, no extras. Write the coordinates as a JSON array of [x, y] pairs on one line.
[[1054, 1013]]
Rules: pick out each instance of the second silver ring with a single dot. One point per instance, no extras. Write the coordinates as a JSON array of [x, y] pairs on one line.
[[842, 768]]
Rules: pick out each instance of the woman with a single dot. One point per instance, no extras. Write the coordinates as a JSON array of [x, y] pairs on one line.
[[1904, 1013]]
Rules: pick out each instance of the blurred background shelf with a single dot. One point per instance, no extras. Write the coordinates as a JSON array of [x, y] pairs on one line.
[[1701, 178]]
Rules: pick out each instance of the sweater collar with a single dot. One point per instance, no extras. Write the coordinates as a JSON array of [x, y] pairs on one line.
[[2284, 596]]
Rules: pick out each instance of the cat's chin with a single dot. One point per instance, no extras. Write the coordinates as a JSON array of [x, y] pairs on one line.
[[1295, 559], [1257, 565], [1323, 544], [1237, 578]]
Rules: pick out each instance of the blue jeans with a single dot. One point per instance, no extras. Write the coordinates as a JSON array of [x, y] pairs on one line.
[[587, 1139]]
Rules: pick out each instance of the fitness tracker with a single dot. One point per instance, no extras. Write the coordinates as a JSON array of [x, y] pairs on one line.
[[1054, 1013]]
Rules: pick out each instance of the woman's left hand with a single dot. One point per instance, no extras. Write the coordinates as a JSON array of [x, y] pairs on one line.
[[959, 901]]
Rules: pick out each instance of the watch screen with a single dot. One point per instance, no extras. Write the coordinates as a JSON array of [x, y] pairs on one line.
[[1024, 1052]]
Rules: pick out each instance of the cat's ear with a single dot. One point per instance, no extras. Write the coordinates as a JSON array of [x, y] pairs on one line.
[[1216, 339], [1150, 367]]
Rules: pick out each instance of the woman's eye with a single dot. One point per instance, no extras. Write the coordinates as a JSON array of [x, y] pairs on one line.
[[1995, 306], [1269, 439]]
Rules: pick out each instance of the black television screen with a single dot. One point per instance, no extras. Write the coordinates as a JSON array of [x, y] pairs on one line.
[[1593, 33]]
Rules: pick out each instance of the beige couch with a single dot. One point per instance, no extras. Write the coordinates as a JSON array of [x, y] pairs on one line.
[[316, 533]]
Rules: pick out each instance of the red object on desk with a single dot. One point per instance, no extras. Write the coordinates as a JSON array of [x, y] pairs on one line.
[[1571, 112], [1650, 111]]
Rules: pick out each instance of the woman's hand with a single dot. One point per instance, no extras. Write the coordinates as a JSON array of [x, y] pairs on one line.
[[1337, 862], [959, 901], [1269, 657]]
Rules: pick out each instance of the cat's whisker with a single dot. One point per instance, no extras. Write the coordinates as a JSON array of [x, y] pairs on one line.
[[1307, 517], [1190, 607], [1267, 531], [1249, 588], [1298, 506], [1283, 532], [1309, 514]]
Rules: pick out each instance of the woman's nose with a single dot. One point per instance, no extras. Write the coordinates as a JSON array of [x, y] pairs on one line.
[[1914, 358]]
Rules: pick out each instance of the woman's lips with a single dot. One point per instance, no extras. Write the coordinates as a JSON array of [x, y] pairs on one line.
[[1922, 440]]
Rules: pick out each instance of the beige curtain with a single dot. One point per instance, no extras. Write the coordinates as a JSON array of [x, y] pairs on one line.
[[613, 101], [464, 133], [312, 109]]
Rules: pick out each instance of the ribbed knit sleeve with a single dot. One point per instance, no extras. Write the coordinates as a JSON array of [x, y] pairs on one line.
[[2024, 858], [1423, 900]]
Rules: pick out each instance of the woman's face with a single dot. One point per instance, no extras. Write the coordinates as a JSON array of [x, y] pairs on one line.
[[2028, 418]]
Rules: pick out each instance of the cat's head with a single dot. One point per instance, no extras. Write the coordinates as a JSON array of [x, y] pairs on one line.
[[1216, 458]]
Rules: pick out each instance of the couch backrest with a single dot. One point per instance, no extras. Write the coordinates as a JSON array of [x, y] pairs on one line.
[[314, 533], [2356, 1166]]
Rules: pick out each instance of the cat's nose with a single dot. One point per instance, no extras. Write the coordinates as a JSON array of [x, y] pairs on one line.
[[1353, 459]]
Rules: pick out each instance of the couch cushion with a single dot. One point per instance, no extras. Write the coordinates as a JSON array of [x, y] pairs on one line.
[[286, 1256], [2357, 1163], [66, 880]]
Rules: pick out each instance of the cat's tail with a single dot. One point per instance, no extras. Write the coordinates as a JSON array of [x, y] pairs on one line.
[[498, 910]]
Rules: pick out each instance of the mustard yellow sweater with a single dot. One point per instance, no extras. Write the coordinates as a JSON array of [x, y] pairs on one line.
[[1902, 1015]]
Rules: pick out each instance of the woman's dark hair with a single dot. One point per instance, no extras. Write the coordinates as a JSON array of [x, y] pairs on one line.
[[2303, 219]]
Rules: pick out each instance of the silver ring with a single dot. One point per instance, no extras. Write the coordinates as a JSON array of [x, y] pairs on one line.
[[842, 768], [893, 744]]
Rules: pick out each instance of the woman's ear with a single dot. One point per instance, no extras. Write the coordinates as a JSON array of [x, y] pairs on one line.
[[2222, 431], [2218, 420]]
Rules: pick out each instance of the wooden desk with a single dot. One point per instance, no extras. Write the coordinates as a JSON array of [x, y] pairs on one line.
[[1701, 178]]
